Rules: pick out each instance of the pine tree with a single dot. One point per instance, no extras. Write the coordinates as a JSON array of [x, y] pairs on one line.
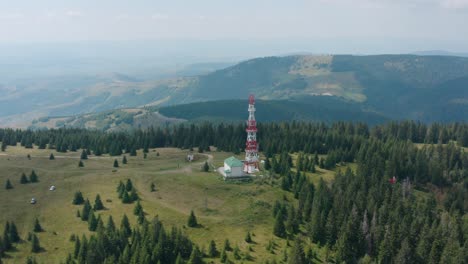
[[279, 229], [196, 256], [248, 238], [141, 217], [86, 211], [33, 177], [8, 185], [125, 198], [297, 255], [223, 257], [236, 253], [92, 222], [31, 260], [138, 208], [51, 157], [153, 187], [129, 185], [98, 203], [125, 226], [84, 155], [110, 226], [192, 220], [78, 198], [267, 164], [212, 251], [13, 233], [133, 195], [80, 164], [124, 160], [35, 246], [23, 179], [37, 226], [206, 167], [116, 164], [227, 245]]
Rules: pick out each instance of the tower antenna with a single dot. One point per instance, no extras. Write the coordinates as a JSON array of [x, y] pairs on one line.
[[251, 145]]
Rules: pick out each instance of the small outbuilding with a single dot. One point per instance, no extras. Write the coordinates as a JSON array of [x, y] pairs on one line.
[[33, 201], [52, 188], [233, 167]]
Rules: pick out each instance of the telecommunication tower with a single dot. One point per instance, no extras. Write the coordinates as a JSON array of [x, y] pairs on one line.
[[251, 146]]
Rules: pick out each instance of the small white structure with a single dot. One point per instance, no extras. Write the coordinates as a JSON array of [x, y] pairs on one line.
[[190, 157], [233, 168], [33, 200], [52, 188]]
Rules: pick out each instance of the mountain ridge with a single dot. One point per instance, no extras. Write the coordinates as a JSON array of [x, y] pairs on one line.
[[396, 86]]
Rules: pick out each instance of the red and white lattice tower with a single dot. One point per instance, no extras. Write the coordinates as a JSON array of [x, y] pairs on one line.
[[251, 146]]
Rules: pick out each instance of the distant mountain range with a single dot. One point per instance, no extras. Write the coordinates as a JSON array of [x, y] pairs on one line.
[[380, 87]]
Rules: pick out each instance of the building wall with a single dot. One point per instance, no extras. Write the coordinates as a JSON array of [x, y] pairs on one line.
[[235, 171]]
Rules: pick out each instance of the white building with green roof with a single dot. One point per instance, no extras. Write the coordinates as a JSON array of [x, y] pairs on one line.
[[233, 167]]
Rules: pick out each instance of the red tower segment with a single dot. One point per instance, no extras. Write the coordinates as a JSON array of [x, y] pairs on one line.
[[251, 145]]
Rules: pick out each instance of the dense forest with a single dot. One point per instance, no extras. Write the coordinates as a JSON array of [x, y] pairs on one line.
[[406, 202]]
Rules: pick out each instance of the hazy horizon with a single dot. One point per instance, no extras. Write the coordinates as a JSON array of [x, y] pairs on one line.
[[217, 29]]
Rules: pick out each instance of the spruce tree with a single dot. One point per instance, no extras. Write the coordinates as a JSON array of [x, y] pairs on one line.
[[80, 164], [23, 179], [51, 157], [248, 238], [133, 195], [279, 229], [35, 246], [116, 164], [196, 256], [192, 220], [84, 155], [138, 208], [110, 226], [212, 251], [78, 198], [227, 245], [141, 217], [124, 160], [13, 233], [37, 226], [33, 177], [125, 226], [98, 203], [8, 185], [206, 167], [125, 198], [153, 187], [223, 257], [297, 255], [129, 185], [92, 222], [86, 210]]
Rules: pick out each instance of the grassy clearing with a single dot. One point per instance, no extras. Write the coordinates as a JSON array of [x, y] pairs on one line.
[[224, 209]]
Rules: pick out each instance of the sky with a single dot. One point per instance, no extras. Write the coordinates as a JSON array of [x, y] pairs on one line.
[[234, 27]]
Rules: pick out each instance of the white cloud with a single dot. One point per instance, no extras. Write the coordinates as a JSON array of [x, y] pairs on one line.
[[454, 4]]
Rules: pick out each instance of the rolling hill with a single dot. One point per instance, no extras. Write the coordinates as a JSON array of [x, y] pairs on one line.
[[426, 88], [317, 108]]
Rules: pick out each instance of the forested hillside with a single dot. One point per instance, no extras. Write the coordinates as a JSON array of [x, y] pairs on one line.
[[425, 88], [405, 202]]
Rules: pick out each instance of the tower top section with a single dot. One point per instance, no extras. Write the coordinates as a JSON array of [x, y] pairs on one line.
[[251, 99]]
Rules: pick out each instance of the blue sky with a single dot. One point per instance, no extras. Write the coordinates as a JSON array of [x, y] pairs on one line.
[[321, 26]]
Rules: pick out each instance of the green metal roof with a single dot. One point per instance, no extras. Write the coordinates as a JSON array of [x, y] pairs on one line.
[[233, 162]]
